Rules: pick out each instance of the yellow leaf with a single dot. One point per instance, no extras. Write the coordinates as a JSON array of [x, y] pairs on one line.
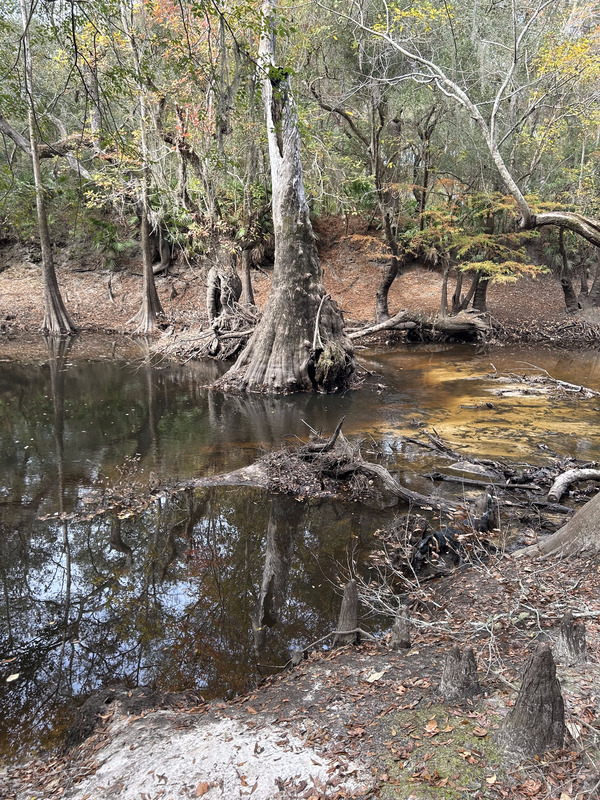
[[491, 780], [12, 677]]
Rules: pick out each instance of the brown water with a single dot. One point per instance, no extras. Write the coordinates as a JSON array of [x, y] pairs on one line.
[[168, 597]]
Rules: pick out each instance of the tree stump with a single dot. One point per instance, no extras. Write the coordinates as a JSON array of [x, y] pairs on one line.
[[536, 722], [570, 647], [348, 619], [400, 638], [459, 677]]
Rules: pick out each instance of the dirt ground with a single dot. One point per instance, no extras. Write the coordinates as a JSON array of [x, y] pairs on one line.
[[365, 721], [103, 300]]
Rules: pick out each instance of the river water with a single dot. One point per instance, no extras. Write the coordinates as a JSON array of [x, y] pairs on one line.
[[167, 597]]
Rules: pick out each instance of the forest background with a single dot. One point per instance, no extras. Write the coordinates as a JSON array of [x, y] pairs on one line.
[[136, 131]]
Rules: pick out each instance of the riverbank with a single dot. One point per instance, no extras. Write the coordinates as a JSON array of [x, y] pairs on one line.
[[364, 721], [530, 310]]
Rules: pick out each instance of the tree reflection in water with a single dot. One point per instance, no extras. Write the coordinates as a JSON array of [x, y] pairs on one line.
[[168, 597]]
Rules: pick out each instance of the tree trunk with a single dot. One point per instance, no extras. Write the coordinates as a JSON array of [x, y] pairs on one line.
[[390, 274], [480, 296], [299, 344], [444, 300], [570, 647], [581, 534], [151, 306], [456, 302], [400, 636], [57, 321], [247, 298], [459, 677], [571, 301]]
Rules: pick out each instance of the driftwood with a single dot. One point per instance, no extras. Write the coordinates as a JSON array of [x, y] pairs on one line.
[[536, 722], [400, 321], [542, 381], [561, 485], [570, 647], [348, 619], [459, 677], [466, 324]]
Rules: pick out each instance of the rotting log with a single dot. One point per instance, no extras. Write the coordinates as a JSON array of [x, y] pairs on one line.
[[459, 676], [348, 619], [536, 722], [564, 481]]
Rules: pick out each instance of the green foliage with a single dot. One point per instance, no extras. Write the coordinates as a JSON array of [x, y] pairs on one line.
[[476, 232], [107, 239]]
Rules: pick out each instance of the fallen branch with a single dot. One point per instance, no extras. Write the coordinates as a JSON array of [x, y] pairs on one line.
[[561, 485], [464, 324], [389, 324]]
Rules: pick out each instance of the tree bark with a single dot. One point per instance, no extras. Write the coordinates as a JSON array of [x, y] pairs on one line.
[[581, 534], [247, 298], [571, 302], [57, 321], [480, 296], [299, 344], [536, 722], [459, 677], [400, 636], [570, 647], [348, 619]]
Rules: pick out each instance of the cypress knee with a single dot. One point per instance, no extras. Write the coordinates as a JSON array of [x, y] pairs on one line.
[[536, 722], [459, 677], [570, 645], [400, 637], [348, 619]]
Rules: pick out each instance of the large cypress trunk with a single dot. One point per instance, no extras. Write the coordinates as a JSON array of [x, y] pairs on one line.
[[299, 344]]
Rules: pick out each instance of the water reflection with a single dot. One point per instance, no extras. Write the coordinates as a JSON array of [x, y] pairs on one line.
[[203, 588], [166, 599]]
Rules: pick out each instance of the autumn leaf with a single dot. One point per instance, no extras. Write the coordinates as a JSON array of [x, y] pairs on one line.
[[432, 727], [201, 789], [480, 732]]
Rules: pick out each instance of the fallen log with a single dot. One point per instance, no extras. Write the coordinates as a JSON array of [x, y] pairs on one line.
[[562, 484], [393, 323], [467, 323]]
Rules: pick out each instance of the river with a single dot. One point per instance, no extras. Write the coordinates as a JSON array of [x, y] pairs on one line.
[[167, 597]]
